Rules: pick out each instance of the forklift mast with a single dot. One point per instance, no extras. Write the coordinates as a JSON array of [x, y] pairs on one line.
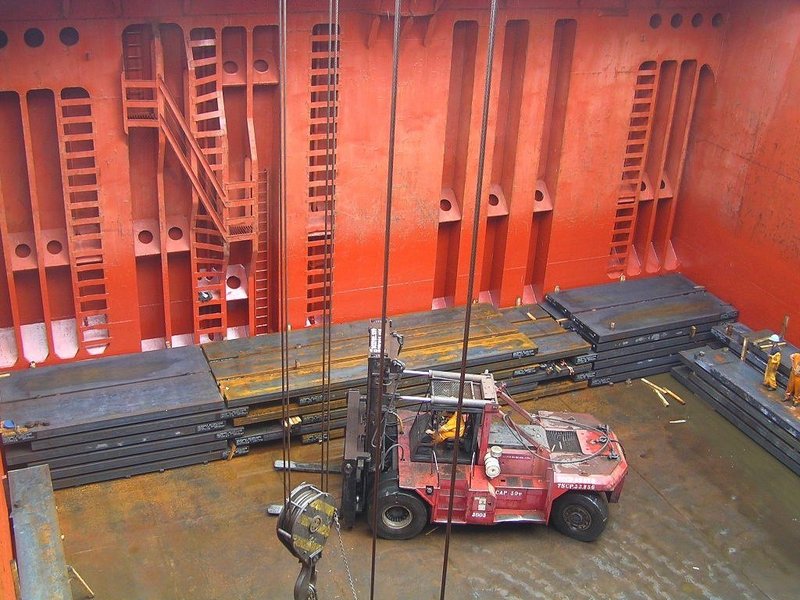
[[365, 414]]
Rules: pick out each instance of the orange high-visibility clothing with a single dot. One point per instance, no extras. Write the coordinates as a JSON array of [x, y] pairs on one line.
[[447, 431], [769, 373], [793, 389]]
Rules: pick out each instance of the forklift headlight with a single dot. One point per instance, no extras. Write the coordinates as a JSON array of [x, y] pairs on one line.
[[429, 490]]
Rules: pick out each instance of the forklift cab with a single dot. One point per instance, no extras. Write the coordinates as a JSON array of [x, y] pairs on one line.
[[422, 438]]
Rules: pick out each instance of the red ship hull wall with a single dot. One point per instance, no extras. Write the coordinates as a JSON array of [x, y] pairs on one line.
[[623, 138], [739, 230]]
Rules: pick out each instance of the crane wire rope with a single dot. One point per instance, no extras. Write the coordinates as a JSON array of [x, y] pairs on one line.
[[385, 284], [283, 311], [331, 111], [487, 87]]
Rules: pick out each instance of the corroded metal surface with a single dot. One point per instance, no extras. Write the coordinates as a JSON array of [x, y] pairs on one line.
[[40, 554]]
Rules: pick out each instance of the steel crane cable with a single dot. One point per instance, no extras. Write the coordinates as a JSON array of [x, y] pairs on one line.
[[487, 88], [385, 285], [331, 110], [283, 311]]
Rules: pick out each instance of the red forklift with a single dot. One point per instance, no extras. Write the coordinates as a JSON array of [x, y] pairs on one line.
[[512, 465]]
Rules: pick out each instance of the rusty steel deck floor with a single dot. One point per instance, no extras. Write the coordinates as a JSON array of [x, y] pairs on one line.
[[705, 514]]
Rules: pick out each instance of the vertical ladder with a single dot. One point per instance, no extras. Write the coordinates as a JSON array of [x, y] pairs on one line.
[[639, 129], [209, 265], [132, 53], [80, 182], [139, 102], [261, 321], [205, 100], [207, 125]]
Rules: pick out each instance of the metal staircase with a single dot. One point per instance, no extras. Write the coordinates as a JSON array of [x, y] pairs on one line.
[[80, 181], [223, 211], [622, 253], [206, 108]]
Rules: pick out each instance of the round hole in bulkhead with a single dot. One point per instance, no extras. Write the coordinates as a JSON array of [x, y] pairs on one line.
[[538, 195], [22, 250], [34, 37], [145, 237], [3, 39], [697, 20], [233, 282], [230, 67], [261, 66], [663, 185], [676, 20], [54, 247], [68, 36], [175, 233], [494, 200], [655, 21], [717, 20], [444, 204], [643, 187]]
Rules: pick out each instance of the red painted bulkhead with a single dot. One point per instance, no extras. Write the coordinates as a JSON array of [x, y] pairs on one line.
[[624, 138]]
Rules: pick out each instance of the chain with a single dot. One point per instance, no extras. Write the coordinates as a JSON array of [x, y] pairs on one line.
[[344, 556]]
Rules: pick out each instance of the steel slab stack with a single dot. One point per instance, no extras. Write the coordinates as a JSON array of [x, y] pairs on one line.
[[734, 335], [733, 387], [115, 417], [248, 371], [637, 327]]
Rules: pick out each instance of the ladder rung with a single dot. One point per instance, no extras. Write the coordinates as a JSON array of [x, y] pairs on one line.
[[75, 189], [82, 119], [96, 342], [205, 79], [207, 116], [92, 297], [202, 62], [84, 221], [94, 327], [207, 97], [78, 137], [82, 171], [80, 154], [75, 102], [204, 43]]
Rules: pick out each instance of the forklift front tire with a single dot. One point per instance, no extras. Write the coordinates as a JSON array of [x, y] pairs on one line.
[[400, 515], [581, 516]]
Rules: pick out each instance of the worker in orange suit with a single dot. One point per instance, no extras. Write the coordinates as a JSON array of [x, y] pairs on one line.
[[793, 388], [447, 431], [773, 362]]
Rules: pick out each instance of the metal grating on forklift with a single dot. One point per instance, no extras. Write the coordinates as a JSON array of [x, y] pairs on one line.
[[563, 441]]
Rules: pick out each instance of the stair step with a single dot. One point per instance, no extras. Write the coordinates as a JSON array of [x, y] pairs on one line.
[[204, 43], [75, 189], [205, 79], [81, 119], [202, 62]]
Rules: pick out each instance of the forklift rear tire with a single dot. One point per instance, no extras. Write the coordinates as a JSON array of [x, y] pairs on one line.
[[581, 516], [400, 515]]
